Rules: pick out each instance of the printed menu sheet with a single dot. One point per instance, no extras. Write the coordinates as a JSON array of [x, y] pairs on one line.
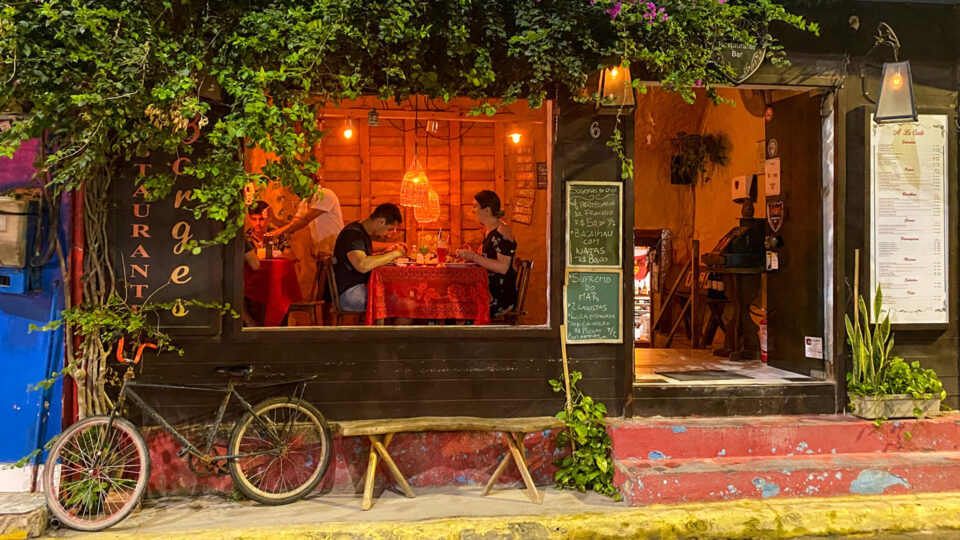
[[909, 214]]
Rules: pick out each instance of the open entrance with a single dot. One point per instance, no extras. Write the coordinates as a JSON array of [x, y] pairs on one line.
[[729, 245]]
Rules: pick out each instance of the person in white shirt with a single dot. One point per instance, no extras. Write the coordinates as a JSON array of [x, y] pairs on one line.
[[322, 215]]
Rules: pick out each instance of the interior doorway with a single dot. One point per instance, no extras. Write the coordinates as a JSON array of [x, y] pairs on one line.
[[729, 239]]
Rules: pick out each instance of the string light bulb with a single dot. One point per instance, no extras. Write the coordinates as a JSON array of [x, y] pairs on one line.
[[897, 80], [348, 129]]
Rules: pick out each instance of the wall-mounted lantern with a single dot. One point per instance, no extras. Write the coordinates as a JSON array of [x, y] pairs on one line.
[[895, 101], [616, 90]]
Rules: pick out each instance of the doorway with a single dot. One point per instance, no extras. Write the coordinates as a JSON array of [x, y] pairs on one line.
[[729, 245]]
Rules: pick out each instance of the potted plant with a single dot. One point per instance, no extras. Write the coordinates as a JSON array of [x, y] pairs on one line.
[[880, 386]]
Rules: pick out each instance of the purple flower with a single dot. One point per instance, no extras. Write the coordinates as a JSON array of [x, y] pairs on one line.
[[722, 2], [16, 82], [614, 11], [699, 82]]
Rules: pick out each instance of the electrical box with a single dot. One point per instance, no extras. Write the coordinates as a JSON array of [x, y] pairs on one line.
[[17, 217], [18, 221]]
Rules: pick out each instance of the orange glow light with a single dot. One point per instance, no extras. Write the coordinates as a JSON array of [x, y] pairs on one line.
[[515, 137], [614, 72], [348, 129], [897, 81]]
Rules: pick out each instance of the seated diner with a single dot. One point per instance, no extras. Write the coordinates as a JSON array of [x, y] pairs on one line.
[[353, 257], [496, 253]]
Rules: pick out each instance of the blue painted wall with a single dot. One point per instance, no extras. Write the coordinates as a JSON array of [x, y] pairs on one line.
[[28, 357]]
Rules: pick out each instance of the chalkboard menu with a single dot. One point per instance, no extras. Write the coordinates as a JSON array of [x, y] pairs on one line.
[[593, 306], [151, 258], [594, 224]]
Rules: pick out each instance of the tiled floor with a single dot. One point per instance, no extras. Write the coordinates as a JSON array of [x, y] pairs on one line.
[[649, 361]]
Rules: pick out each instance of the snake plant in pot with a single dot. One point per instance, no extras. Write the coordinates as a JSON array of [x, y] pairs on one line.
[[881, 386]]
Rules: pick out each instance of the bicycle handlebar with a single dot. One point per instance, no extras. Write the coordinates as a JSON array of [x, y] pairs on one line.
[[136, 359]]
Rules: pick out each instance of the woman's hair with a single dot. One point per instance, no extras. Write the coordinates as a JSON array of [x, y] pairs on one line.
[[489, 199]]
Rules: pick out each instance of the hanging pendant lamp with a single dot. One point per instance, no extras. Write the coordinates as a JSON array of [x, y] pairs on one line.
[[415, 188], [429, 213]]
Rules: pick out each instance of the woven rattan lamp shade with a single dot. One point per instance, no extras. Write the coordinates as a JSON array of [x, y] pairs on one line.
[[415, 188], [430, 213]]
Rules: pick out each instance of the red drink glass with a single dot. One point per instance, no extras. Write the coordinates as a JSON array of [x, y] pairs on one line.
[[441, 254]]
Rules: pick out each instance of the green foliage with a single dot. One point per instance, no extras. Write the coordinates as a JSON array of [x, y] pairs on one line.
[[874, 372], [105, 324], [112, 79], [697, 153], [900, 377], [590, 465], [870, 350]]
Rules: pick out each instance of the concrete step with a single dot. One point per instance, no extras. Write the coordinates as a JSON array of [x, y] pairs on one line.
[[645, 481], [681, 438], [22, 515]]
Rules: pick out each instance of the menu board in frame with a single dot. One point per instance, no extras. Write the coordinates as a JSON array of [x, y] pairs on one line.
[[594, 224], [593, 306], [909, 219]]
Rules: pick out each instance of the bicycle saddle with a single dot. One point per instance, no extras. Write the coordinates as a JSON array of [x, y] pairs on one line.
[[234, 371]]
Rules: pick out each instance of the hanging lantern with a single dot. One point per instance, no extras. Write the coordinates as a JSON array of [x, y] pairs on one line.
[[429, 213], [615, 91], [415, 188]]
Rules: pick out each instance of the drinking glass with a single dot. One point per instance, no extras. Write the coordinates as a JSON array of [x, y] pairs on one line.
[[441, 251]]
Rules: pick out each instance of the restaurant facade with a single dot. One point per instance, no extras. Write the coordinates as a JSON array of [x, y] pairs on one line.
[[812, 193]]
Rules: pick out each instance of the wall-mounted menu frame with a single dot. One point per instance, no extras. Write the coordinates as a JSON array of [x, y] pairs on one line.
[[909, 217], [594, 224]]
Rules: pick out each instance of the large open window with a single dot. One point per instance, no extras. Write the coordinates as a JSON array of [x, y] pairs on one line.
[[306, 276]]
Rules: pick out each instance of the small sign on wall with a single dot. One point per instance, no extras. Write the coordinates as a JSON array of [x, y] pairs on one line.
[[813, 347], [771, 176]]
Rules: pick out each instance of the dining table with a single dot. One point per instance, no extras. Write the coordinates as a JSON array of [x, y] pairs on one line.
[[429, 291], [274, 285]]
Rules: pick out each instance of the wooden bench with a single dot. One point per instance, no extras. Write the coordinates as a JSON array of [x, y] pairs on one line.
[[381, 432]]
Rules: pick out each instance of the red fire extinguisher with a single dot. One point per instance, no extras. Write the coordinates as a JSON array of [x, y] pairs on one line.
[[763, 340]]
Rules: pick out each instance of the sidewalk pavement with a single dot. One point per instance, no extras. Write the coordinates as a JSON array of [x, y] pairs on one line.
[[448, 513]]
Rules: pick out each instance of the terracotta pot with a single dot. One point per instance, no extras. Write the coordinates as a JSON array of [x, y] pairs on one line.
[[893, 406]]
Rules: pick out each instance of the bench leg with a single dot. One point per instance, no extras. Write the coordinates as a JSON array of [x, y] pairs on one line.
[[498, 472], [381, 448], [371, 474], [518, 458]]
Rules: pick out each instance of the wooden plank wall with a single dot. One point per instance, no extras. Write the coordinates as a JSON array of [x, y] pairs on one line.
[[365, 171]]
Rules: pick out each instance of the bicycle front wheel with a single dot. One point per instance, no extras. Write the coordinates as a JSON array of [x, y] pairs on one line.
[[94, 477], [283, 449]]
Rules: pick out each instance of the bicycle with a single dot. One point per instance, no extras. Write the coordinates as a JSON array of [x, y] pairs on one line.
[[98, 469]]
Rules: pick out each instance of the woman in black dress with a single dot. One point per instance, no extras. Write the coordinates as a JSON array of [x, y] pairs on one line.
[[496, 253]]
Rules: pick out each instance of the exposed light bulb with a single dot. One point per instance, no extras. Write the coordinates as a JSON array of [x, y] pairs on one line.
[[897, 80], [348, 129], [515, 137], [614, 72]]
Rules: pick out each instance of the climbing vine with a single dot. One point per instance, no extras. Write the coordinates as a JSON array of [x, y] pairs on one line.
[[110, 80]]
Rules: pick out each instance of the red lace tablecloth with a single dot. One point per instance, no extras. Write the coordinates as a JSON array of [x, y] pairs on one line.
[[274, 285], [429, 292]]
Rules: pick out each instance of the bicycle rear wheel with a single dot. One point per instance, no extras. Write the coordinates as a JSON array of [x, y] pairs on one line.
[[88, 490], [285, 451]]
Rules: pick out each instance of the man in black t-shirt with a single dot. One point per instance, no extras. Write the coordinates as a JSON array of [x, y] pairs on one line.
[[353, 257]]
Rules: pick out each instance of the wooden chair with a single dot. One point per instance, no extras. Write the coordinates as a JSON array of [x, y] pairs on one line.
[[512, 317], [316, 296], [334, 293]]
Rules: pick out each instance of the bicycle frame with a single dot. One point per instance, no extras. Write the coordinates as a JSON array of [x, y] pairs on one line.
[[127, 391]]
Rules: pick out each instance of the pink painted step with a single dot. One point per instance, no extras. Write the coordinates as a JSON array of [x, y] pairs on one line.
[[644, 481], [779, 436]]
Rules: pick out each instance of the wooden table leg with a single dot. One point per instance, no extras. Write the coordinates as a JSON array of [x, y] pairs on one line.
[[497, 473], [524, 473], [371, 474], [381, 449]]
